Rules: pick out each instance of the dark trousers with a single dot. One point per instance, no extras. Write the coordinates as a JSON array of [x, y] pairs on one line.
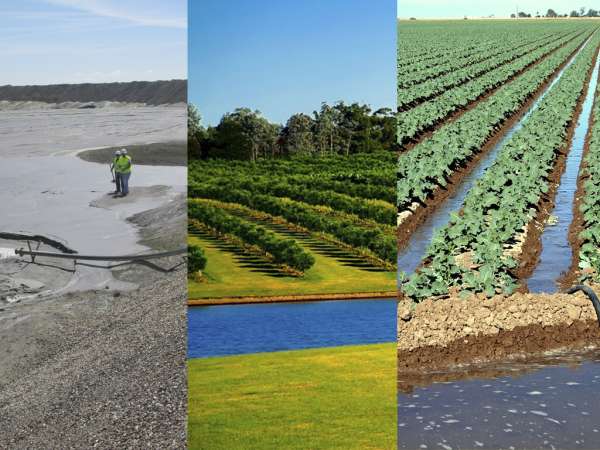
[[118, 182]]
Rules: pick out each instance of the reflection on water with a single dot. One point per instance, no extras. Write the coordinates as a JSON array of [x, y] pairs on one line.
[[549, 402], [556, 255]]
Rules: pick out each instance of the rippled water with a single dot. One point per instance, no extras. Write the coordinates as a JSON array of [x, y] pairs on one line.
[[552, 403], [238, 329]]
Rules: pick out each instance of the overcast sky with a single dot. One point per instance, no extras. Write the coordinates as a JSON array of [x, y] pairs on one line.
[[478, 8], [76, 41], [288, 56]]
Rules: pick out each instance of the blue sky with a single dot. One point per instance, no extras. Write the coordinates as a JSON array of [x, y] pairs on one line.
[[478, 8], [75, 41], [287, 56]]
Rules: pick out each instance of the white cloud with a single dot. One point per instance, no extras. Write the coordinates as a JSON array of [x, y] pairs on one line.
[[132, 14]]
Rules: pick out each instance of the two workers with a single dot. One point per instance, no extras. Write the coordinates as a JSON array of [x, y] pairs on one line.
[[121, 167]]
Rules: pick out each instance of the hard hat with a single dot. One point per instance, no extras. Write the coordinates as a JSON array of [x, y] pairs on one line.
[[118, 153], [123, 151]]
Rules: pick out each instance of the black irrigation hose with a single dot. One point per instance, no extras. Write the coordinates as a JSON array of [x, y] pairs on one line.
[[22, 252], [591, 295], [37, 238]]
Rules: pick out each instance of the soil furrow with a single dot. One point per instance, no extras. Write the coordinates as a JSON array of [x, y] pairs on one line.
[[409, 226], [427, 133]]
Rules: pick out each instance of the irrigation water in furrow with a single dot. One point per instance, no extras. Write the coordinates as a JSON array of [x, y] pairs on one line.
[[410, 257], [556, 254]]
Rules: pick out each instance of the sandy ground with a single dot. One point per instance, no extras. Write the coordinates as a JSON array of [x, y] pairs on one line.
[[104, 368]]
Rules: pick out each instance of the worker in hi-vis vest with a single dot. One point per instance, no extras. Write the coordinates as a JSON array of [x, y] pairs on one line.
[[124, 168], [115, 172]]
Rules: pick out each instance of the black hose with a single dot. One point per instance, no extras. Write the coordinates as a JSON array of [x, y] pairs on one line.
[[591, 295]]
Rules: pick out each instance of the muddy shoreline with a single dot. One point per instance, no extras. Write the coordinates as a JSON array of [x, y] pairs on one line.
[[292, 298], [438, 197], [156, 154], [425, 134]]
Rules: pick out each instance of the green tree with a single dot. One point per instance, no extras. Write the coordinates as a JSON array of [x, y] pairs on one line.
[[196, 259], [551, 13], [245, 134], [325, 129], [196, 133], [297, 135]]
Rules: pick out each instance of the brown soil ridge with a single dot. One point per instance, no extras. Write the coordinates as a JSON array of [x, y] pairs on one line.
[[427, 133], [410, 225], [292, 298], [420, 100], [533, 243], [452, 332]]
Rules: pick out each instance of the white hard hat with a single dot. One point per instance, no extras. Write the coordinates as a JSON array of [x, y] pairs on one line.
[[123, 151], [118, 153]]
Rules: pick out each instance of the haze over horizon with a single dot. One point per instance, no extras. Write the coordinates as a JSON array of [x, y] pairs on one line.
[[434, 9]]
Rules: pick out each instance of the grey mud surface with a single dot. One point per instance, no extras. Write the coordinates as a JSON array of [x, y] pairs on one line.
[[158, 154], [94, 358]]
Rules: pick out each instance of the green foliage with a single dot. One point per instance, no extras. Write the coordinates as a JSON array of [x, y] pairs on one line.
[[504, 199], [419, 114], [430, 164], [340, 129], [196, 259], [283, 251]]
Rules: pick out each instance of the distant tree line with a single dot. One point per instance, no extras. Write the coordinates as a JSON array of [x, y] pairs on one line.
[[339, 129], [551, 13]]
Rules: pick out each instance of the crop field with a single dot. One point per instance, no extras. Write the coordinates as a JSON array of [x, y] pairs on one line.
[[519, 92], [303, 225]]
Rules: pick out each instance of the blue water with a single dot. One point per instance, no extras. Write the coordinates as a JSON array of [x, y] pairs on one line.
[[239, 329]]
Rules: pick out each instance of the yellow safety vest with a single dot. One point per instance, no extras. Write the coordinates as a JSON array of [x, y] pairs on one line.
[[124, 164]]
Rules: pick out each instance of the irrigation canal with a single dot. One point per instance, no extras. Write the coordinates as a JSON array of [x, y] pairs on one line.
[[253, 328]]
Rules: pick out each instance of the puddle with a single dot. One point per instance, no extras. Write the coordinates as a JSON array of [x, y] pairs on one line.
[[556, 255], [411, 256], [6, 253], [553, 402], [239, 329]]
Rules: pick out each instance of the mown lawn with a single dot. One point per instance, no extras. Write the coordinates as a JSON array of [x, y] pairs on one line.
[[225, 277], [327, 398]]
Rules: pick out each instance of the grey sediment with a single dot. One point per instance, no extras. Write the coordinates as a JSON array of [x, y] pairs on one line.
[[155, 154], [104, 369]]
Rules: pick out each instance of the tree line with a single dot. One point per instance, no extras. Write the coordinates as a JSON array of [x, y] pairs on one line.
[[334, 129], [581, 12]]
